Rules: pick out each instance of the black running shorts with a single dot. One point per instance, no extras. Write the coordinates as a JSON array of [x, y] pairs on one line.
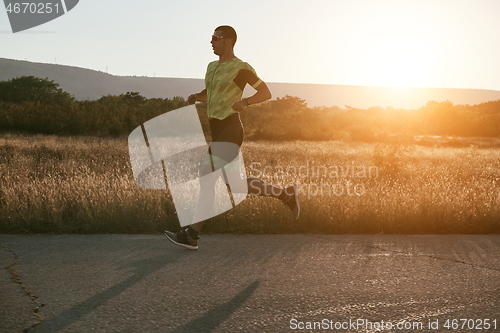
[[228, 129]]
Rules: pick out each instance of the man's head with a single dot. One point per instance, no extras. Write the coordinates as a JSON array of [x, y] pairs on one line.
[[224, 38]]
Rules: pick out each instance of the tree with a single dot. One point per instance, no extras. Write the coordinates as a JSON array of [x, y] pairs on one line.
[[33, 89], [133, 98], [290, 103]]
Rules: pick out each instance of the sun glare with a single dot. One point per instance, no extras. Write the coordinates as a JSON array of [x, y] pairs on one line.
[[396, 47]]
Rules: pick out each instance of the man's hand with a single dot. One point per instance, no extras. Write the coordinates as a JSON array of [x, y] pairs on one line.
[[198, 97], [192, 99], [240, 105]]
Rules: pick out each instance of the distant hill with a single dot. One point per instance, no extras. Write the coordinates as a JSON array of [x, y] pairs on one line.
[[90, 84]]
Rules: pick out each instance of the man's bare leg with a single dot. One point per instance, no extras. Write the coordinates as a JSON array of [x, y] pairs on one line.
[[255, 187], [259, 187]]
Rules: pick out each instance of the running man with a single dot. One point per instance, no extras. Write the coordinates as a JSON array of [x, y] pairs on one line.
[[224, 83]]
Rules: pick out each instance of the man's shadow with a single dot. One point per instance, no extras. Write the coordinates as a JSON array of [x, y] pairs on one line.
[[142, 269], [210, 320]]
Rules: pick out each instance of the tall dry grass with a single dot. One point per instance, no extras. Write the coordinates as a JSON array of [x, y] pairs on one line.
[[74, 185], [54, 184]]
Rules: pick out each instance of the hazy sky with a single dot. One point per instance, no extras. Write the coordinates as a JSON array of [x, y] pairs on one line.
[[425, 43]]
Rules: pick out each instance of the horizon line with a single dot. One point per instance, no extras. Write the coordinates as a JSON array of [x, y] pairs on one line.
[[274, 82]]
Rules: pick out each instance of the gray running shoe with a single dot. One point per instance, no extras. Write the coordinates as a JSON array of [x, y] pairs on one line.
[[182, 239]]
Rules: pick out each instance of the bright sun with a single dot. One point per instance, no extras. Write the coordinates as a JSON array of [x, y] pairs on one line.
[[395, 50]]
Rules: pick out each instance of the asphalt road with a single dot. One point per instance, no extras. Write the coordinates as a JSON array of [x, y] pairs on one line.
[[249, 283]]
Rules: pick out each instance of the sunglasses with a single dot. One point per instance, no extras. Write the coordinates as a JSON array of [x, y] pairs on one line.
[[216, 38]]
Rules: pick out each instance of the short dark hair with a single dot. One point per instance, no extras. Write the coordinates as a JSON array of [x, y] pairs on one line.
[[228, 32]]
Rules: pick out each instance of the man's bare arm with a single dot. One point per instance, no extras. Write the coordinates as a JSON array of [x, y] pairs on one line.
[[262, 94], [198, 97]]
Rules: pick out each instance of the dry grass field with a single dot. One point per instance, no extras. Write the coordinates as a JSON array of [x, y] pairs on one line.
[[57, 184]]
